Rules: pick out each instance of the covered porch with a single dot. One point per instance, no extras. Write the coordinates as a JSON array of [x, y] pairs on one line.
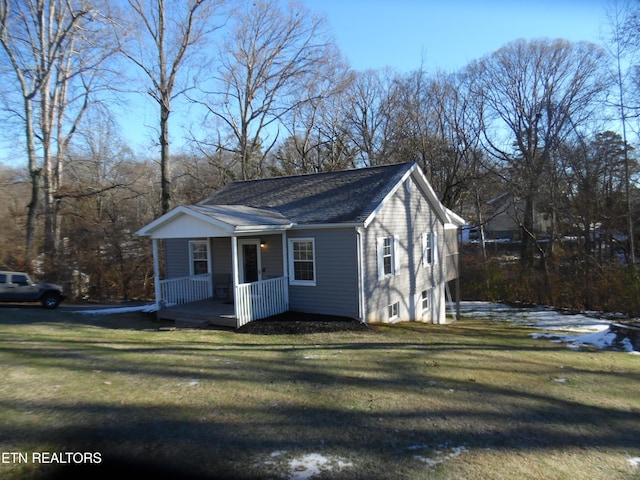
[[219, 265], [189, 300]]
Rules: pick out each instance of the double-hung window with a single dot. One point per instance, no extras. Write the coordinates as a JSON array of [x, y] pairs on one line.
[[302, 261], [425, 300], [393, 311], [199, 253], [387, 255], [387, 251], [429, 249]]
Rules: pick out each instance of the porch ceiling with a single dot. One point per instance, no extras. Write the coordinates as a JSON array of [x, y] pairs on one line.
[[214, 221]]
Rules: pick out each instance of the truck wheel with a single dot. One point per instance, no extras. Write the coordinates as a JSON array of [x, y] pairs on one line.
[[50, 300]]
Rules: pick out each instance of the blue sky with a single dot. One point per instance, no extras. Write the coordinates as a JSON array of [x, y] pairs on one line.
[[450, 33], [373, 34]]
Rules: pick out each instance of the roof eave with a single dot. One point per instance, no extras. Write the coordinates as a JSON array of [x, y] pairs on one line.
[[248, 229], [455, 219], [307, 226]]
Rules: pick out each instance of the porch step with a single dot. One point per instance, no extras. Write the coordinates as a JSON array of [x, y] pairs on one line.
[[186, 322], [224, 321], [200, 314]]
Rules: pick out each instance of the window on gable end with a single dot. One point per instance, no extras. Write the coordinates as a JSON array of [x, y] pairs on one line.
[[388, 256], [429, 249]]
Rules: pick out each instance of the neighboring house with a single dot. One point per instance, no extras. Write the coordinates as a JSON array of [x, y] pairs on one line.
[[504, 217], [373, 244]]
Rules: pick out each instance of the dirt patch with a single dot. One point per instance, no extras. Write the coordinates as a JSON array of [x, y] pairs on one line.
[[292, 323]]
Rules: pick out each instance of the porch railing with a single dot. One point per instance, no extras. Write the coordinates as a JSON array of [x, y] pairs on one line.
[[176, 291], [261, 299]]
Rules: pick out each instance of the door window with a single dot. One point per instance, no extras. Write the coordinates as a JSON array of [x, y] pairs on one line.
[[250, 262]]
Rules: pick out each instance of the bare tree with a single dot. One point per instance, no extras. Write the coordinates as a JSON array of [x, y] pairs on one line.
[[374, 100], [309, 123], [534, 91], [158, 40], [622, 40], [54, 49], [270, 54], [595, 175], [14, 195], [108, 194], [437, 126]]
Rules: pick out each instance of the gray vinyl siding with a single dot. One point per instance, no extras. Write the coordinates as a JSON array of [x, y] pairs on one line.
[[407, 215], [271, 257], [176, 257], [221, 255], [336, 289]]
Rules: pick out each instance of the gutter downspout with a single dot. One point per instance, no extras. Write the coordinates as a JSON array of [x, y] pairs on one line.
[[361, 303]]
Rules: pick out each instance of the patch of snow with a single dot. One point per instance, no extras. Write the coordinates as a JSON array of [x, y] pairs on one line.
[[635, 461], [107, 311], [192, 383], [442, 454], [537, 317], [313, 464], [574, 330]]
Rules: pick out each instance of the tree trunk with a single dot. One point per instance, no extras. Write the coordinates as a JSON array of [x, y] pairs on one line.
[[34, 173], [165, 166], [528, 235]]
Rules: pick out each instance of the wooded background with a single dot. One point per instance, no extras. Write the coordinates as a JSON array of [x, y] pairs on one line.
[[551, 122]]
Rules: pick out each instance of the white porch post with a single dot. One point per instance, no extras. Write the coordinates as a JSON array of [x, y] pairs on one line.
[[156, 272], [235, 270], [285, 267], [210, 266]]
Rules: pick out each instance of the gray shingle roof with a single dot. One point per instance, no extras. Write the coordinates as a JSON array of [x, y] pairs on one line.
[[347, 196], [240, 215]]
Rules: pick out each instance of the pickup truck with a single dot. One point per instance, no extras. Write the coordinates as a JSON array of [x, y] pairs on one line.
[[18, 287]]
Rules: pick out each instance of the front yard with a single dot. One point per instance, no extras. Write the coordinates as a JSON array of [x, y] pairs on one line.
[[475, 400]]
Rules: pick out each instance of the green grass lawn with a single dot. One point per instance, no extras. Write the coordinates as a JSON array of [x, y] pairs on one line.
[[473, 400]]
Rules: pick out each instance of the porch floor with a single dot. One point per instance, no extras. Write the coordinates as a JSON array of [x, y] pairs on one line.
[[200, 314]]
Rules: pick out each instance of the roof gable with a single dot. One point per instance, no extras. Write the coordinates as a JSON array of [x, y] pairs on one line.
[[344, 197], [213, 221]]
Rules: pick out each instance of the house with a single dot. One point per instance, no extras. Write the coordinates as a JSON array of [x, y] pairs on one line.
[[373, 244], [505, 215]]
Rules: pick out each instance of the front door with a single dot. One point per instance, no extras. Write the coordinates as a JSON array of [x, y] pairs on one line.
[[250, 261]]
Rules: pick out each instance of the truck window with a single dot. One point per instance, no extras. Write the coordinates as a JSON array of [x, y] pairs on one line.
[[20, 279]]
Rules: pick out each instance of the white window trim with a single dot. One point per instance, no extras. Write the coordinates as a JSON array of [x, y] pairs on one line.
[[429, 293], [395, 256], [429, 240], [292, 280], [192, 243], [391, 314]]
